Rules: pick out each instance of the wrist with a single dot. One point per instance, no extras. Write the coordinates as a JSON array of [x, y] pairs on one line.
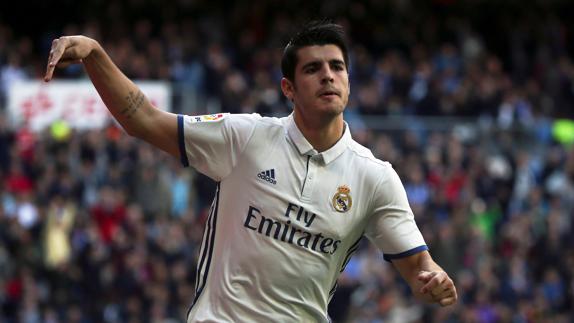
[[95, 49]]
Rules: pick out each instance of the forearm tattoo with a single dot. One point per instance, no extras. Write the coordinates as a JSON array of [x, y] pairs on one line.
[[135, 100]]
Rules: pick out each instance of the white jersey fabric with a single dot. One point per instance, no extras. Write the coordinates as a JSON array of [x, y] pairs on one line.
[[285, 218]]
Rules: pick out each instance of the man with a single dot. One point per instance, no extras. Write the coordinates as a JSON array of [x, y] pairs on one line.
[[295, 194]]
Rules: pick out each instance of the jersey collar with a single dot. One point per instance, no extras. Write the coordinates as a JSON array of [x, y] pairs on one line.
[[305, 147]]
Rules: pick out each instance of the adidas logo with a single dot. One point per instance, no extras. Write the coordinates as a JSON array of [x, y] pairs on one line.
[[268, 175]]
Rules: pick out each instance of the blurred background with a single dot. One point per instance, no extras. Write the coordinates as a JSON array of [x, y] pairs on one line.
[[471, 101]]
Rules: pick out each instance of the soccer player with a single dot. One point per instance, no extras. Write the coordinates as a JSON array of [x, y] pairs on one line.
[[295, 195]]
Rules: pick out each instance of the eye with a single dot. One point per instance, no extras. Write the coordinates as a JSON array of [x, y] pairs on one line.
[[310, 70], [338, 67]]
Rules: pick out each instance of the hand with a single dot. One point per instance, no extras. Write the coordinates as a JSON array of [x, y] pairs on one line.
[[438, 286], [66, 51]]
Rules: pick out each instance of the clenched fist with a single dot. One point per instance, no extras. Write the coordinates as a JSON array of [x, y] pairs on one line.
[[438, 286]]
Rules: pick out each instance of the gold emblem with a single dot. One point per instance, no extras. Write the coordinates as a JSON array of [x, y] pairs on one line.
[[342, 200]]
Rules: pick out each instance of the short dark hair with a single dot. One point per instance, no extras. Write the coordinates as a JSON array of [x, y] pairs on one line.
[[313, 33]]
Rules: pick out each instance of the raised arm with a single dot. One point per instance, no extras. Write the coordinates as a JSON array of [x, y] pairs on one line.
[[123, 98]]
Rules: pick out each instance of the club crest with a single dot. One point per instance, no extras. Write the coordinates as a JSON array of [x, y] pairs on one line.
[[342, 200]]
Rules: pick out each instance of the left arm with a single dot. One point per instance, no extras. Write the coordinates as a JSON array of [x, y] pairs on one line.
[[393, 229], [428, 281]]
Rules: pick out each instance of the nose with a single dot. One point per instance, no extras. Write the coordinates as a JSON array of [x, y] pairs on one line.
[[327, 76]]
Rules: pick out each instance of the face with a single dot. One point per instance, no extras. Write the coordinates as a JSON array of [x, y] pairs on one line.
[[321, 85]]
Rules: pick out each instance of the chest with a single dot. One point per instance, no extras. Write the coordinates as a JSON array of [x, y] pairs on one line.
[[302, 191]]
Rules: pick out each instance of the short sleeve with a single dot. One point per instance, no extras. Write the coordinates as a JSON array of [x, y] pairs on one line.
[[392, 226], [213, 143]]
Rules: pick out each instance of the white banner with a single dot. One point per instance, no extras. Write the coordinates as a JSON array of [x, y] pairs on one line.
[[36, 104]]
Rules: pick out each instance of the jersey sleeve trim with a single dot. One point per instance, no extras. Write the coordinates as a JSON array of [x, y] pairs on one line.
[[181, 140], [390, 257]]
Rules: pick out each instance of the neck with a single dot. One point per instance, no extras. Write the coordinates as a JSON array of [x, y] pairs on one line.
[[321, 134]]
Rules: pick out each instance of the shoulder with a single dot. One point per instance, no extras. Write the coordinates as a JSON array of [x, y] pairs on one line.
[[260, 129], [365, 156], [254, 118], [243, 117], [272, 122], [269, 126], [373, 171]]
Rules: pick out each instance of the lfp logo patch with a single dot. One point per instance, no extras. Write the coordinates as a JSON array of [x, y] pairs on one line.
[[209, 117]]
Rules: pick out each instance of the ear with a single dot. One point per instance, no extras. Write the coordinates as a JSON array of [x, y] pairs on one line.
[[288, 88]]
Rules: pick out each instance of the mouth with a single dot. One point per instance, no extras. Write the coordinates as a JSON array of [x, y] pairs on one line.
[[329, 93]]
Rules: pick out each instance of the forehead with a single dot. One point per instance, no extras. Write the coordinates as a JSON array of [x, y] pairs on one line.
[[319, 53]]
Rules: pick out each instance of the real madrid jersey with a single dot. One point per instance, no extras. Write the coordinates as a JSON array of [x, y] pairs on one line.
[[286, 219]]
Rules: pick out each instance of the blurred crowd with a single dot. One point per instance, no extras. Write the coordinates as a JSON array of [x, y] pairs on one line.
[[96, 226]]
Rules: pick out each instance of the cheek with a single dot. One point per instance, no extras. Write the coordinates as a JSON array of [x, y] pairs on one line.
[[305, 91], [304, 88], [346, 93], [345, 83]]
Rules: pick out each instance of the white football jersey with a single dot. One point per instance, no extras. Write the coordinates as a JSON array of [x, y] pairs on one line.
[[286, 219]]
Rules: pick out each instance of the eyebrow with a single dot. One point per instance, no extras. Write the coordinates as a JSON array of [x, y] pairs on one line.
[[317, 63]]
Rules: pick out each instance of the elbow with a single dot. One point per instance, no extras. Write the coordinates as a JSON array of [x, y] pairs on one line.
[[132, 131]]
